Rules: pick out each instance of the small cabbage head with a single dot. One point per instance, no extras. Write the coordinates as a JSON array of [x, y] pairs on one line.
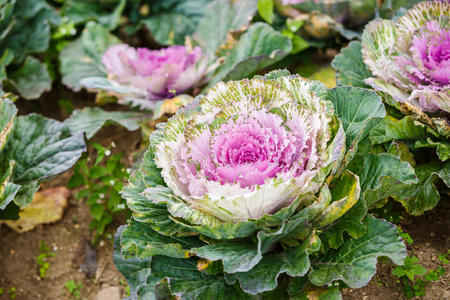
[[410, 58], [159, 74], [249, 148]]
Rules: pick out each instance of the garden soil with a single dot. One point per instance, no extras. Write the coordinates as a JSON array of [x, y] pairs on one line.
[[74, 259]]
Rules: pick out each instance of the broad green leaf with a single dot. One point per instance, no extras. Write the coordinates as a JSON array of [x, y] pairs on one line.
[[186, 282], [8, 112], [423, 196], [236, 256], [139, 240], [135, 269], [220, 18], [28, 28], [91, 119], [105, 12], [351, 222], [404, 129], [258, 48], [355, 261], [350, 67], [263, 277], [169, 28], [381, 176], [32, 79], [170, 22], [359, 110], [25, 194], [82, 57], [265, 10], [41, 147]]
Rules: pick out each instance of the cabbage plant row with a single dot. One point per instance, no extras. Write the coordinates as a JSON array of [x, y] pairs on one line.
[[262, 185]]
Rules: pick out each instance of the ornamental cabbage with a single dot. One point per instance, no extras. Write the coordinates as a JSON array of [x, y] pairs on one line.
[[250, 148], [410, 58], [247, 181], [158, 74]]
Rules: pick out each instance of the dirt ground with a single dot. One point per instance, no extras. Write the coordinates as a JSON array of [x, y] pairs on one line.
[[66, 238]]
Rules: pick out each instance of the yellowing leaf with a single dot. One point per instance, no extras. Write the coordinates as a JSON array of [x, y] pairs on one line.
[[47, 207]]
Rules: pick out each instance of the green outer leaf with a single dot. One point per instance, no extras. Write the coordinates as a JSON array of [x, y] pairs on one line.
[[423, 196], [241, 257], [8, 112], [236, 256], [156, 215], [29, 28], [185, 281], [41, 147], [355, 261], [405, 129], [25, 194], [171, 21], [359, 110], [90, 119], [351, 222], [258, 48], [82, 58], [135, 270], [263, 277], [221, 17], [139, 240], [81, 11], [169, 28], [265, 9], [381, 176], [32, 79], [350, 67]]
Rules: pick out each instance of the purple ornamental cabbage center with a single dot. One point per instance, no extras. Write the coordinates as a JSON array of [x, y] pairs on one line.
[[248, 149]]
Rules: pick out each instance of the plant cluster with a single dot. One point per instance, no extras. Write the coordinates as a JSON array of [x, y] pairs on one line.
[[100, 183]]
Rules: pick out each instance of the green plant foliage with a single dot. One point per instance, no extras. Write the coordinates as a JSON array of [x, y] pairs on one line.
[[105, 12], [25, 30], [89, 120], [415, 277], [34, 149], [170, 21], [73, 289], [100, 181], [42, 259]]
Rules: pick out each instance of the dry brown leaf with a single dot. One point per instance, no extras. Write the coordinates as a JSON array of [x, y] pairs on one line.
[[47, 207]]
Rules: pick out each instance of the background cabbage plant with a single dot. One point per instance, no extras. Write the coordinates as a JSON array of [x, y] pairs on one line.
[[198, 232], [394, 59]]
